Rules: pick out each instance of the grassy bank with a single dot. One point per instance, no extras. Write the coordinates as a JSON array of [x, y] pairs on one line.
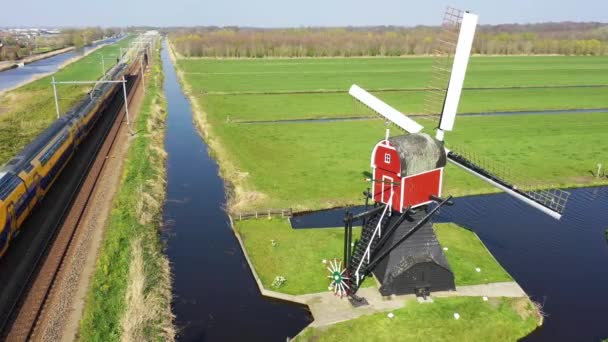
[[130, 295], [500, 319], [297, 254], [28, 110]]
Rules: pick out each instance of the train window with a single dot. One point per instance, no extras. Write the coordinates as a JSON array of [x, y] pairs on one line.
[[48, 154], [7, 187]]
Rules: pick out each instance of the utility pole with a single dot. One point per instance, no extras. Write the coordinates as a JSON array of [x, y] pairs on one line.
[[124, 91], [56, 100], [103, 66], [143, 76]]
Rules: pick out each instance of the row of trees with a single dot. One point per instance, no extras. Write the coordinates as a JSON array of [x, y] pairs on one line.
[[83, 37], [549, 38], [15, 47]]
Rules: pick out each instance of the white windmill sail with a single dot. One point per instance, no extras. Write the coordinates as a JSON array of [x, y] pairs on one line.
[[551, 202], [459, 69], [388, 112]]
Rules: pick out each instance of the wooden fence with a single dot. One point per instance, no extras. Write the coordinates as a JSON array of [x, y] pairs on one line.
[[267, 213]]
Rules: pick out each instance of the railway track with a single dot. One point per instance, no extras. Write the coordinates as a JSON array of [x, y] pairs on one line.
[[23, 302]]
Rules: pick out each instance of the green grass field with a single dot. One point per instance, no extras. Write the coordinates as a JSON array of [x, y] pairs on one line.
[[466, 253], [28, 110], [323, 163], [329, 105], [499, 319], [297, 254], [226, 75]]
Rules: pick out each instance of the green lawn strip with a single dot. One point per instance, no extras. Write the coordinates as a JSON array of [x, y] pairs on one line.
[[323, 164], [135, 215], [28, 110], [466, 253], [381, 73], [499, 319], [330, 105], [297, 255]]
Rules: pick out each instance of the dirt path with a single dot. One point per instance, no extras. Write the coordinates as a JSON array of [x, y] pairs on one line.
[[60, 320]]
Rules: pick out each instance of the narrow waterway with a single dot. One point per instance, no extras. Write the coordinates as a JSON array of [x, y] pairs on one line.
[[563, 265], [13, 77], [215, 295]]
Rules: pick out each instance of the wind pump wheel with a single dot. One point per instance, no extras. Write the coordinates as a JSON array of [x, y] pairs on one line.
[[339, 278]]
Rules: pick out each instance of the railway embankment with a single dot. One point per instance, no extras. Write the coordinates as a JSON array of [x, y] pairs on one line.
[[130, 293]]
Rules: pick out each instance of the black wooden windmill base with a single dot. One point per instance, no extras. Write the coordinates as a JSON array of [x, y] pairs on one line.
[[406, 257], [417, 265]]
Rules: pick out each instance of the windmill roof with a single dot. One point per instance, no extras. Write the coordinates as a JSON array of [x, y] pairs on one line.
[[418, 153]]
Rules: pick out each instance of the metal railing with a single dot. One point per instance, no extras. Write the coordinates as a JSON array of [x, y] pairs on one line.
[[377, 231]]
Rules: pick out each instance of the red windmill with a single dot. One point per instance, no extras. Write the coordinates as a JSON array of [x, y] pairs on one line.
[[397, 241]]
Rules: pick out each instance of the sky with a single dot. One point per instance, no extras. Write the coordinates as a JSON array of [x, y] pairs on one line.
[[286, 13]]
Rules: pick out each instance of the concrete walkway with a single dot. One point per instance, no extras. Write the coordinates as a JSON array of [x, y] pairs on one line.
[[328, 309]]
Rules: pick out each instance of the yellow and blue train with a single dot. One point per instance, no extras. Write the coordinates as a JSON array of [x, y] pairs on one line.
[[26, 178]]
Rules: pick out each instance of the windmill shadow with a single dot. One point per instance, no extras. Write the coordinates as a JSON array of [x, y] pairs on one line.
[[367, 174]]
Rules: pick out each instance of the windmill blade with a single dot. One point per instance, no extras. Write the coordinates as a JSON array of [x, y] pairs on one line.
[[551, 203], [459, 69], [388, 112]]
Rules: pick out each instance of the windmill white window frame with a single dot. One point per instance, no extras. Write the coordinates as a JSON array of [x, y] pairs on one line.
[[387, 158]]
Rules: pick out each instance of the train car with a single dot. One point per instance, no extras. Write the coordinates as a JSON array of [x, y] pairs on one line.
[[26, 178]]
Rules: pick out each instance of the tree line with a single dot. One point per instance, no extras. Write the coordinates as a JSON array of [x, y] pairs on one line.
[[17, 46], [564, 38]]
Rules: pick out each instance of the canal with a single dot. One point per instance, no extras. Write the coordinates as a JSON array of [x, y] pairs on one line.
[[215, 295], [563, 265], [14, 77]]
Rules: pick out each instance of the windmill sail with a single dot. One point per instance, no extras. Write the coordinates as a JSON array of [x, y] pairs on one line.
[[551, 202], [468, 24], [459, 69], [385, 110]]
